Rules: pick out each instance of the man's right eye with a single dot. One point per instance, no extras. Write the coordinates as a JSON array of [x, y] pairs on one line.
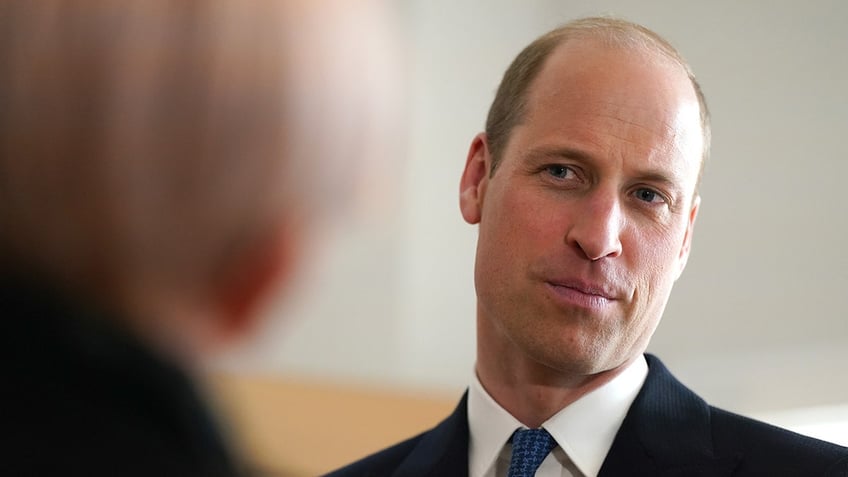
[[559, 171]]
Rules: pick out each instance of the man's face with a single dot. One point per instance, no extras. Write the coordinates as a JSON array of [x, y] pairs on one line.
[[586, 223]]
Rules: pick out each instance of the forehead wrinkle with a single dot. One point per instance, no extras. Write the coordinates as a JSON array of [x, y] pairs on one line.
[[669, 138], [612, 110]]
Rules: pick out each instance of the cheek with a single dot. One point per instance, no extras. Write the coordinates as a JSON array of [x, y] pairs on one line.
[[505, 223], [515, 230], [655, 256], [531, 217]]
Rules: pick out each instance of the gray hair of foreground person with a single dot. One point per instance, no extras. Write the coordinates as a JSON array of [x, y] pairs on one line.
[[162, 158]]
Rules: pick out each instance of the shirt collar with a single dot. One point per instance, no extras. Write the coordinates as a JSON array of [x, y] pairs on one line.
[[490, 426], [585, 429]]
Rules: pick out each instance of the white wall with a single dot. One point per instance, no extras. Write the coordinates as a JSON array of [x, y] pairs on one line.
[[758, 321]]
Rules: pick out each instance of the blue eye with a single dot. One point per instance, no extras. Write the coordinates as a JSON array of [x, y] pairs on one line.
[[558, 171], [647, 195]]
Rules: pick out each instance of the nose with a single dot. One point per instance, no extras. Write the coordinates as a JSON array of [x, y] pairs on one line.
[[597, 225]]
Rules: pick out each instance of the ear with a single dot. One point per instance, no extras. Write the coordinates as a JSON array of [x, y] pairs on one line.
[[475, 177], [251, 279], [687, 238]]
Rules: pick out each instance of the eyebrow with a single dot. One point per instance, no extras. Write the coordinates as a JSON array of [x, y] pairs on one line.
[[561, 152]]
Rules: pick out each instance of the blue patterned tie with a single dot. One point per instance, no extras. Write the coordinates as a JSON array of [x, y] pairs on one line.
[[529, 449]]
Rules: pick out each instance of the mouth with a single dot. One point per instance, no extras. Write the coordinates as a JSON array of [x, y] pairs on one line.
[[583, 295]]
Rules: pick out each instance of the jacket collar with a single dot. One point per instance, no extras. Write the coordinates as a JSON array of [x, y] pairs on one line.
[[666, 432], [442, 451]]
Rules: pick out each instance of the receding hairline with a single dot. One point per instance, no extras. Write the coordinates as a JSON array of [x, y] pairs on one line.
[[614, 32]]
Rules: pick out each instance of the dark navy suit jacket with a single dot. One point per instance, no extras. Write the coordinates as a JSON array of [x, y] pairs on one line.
[[669, 431], [83, 397]]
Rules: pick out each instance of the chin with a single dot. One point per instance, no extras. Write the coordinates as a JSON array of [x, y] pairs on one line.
[[576, 360], [570, 362]]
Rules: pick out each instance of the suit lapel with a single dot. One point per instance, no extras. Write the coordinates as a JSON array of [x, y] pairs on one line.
[[666, 432], [442, 451]]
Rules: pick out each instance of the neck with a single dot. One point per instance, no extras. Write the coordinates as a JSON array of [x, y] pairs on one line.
[[531, 391], [179, 329]]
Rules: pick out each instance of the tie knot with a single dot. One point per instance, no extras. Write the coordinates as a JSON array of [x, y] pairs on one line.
[[529, 449]]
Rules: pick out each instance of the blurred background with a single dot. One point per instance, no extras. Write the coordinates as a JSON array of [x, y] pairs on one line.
[[378, 341]]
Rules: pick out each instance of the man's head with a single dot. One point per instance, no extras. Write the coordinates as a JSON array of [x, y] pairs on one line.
[[160, 158], [586, 222]]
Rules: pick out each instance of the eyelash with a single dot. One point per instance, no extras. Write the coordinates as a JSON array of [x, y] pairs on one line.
[[550, 167], [655, 193]]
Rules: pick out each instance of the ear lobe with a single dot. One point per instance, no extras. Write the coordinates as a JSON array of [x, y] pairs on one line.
[[687, 238], [472, 186]]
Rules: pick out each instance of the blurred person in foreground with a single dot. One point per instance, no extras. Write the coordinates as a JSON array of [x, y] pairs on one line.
[[585, 188], [161, 166]]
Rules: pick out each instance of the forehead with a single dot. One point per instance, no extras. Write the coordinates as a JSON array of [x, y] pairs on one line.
[[615, 100]]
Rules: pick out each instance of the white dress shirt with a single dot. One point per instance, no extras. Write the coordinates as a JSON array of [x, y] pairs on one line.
[[584, 430]]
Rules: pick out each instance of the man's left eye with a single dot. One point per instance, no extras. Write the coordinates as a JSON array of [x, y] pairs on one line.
[[649, 195]]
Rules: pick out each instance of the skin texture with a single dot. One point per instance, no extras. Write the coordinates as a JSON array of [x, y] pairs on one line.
[[584, 226]]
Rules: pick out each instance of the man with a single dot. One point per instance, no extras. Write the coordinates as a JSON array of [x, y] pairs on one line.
[[585, 189], [161, 162]]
